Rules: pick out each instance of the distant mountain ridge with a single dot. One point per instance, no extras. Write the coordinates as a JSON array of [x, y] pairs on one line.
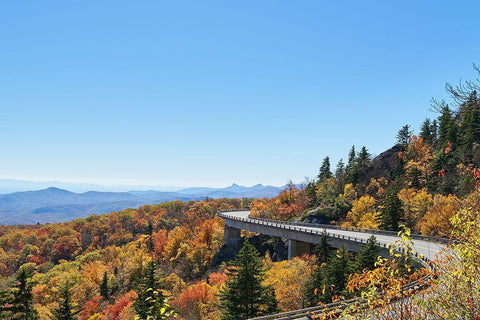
[[57, 205]]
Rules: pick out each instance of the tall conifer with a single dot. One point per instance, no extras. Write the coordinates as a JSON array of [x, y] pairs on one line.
[[150, 302], [244, 296], [22, 302], [66, 310]]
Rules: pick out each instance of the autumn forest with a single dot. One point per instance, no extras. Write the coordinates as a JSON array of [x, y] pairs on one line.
[[168, 260]]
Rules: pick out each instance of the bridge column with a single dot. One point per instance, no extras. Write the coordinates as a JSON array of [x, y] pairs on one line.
[[298, 248], [231, 235]]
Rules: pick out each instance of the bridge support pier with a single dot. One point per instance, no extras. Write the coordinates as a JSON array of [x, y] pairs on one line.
[[231, 235], [298, 248]]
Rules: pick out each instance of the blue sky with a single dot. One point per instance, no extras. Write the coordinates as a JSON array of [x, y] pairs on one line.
[[191, 93]]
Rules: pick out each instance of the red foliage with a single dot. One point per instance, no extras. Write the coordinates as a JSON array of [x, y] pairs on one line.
[[122, 302], [36, 259], [195, 295], [90, 308]]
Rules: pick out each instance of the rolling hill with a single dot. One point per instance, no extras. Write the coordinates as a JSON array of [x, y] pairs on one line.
[[57, 205]]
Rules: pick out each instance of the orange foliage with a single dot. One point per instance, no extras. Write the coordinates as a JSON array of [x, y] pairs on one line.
[[290, 203], [196, 301], [90, 308], [120, 304]]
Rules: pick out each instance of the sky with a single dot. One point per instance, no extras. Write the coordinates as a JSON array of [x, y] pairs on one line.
[[207, 93]]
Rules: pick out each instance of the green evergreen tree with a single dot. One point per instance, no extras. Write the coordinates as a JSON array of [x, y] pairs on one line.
[[447, 126], [469, 119], [352, 155], [104, 292], [311, 193], [149, 233], [403, 136], [434, 132], [6, 300], [368, 254], [66, 310], [340, 174], [337, 272], [325, 172], [323, 250], [22, 298], [426, 131], [351, 169], [361, 167], [392, 209], [313, 287], [150, 303], [243, 295]]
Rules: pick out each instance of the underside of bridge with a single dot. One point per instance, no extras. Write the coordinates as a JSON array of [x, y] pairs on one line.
[[298, 243], [231, 235], [298, 248], [295, 247]]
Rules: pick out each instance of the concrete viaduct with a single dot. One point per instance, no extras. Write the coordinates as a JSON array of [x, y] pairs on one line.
[[302, 236]]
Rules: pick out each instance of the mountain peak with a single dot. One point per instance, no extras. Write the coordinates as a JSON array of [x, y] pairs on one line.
[[55, 190]]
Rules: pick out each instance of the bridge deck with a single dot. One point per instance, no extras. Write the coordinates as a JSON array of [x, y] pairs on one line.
[[426, 248], [429, 248]]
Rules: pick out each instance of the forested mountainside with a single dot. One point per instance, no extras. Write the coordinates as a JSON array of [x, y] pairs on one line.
[[181, 236], [59, 205], [155, 262]]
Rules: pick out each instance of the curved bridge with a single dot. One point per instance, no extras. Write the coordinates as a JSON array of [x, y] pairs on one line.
[[303, 236]]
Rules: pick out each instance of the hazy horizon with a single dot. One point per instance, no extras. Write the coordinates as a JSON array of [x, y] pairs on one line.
[[8, 185]]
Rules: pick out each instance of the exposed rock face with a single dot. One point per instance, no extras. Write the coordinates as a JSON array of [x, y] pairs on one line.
[[384, 164]]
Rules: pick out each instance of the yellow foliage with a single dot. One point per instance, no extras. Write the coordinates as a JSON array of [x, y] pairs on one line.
[[289, 277], [369, 220], [436, 221], [363, 206], [415, 205], [418, 161], [377, 187], [349, 192]]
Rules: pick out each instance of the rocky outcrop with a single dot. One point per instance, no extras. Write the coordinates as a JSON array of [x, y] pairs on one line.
[[385, 163]]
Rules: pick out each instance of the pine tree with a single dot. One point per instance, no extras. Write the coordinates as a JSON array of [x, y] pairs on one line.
[[352, 155], [392, 211], [368, 254], [337, 272], [104, 292], [149, 233], [325, 172], [434, 132], [313, 288], [351, 170], [340, 176], [150, 303], [361, 167], [311, 193], [323, 251], [66, 310], [403, 136], [6, 299], [243, 295], [426, 132], [22, 302], [447, 126], [469, 114]]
